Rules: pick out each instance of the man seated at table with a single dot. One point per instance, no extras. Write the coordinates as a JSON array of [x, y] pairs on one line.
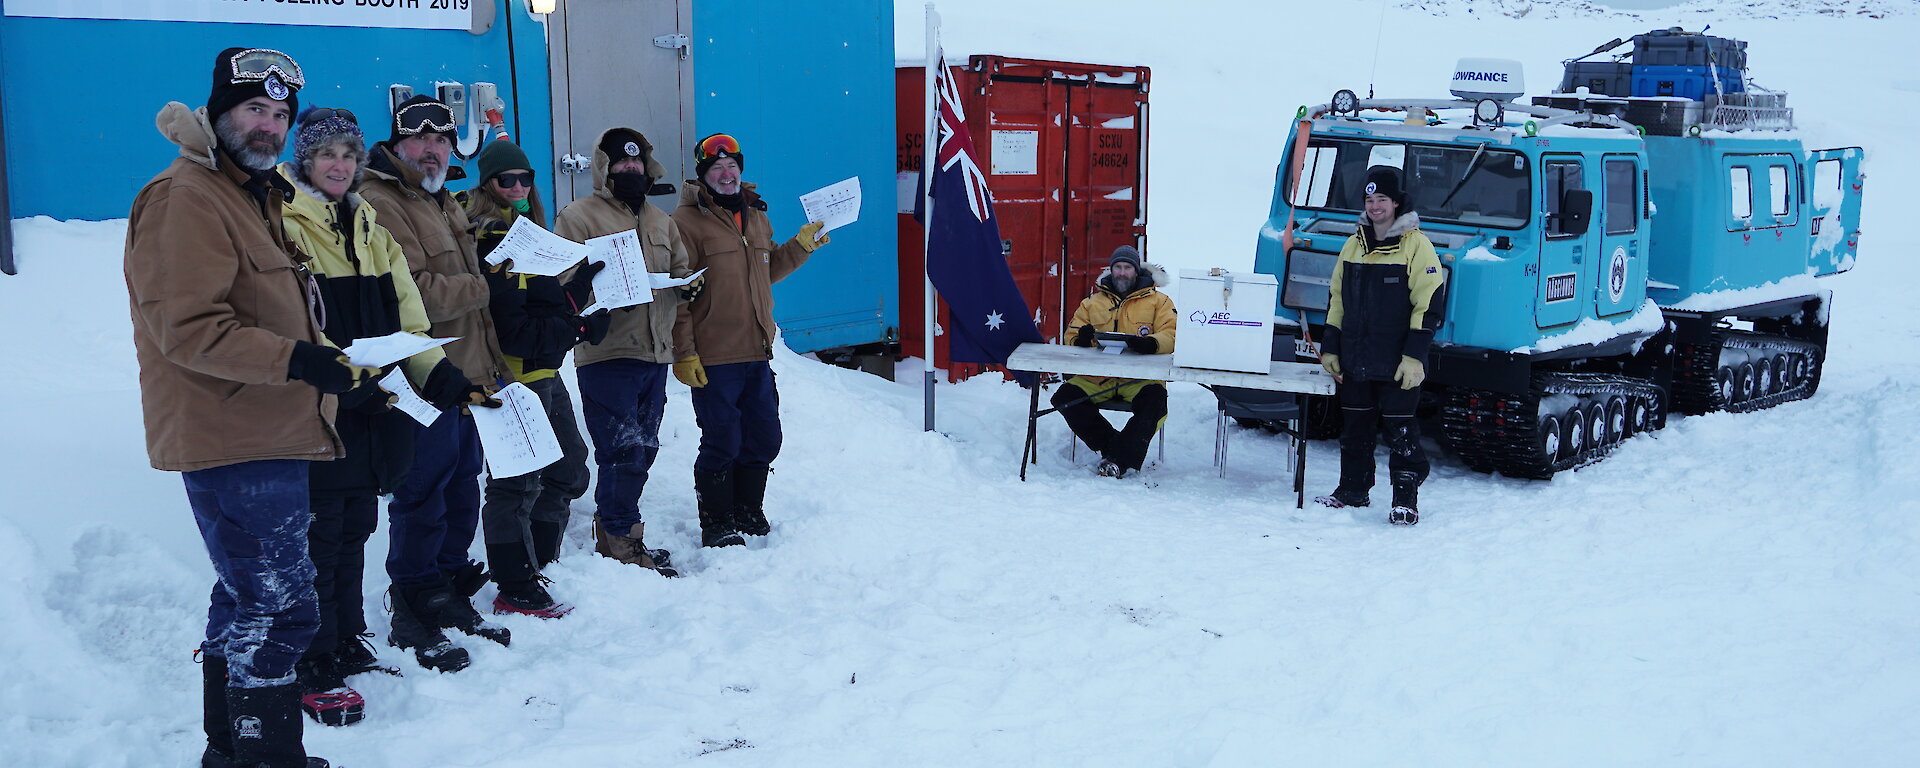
[[1125, 302]]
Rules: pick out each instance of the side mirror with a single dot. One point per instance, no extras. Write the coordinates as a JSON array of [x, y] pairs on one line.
[[1576, 211]]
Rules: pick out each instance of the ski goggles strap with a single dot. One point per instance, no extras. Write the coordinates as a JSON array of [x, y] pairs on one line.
[[318, 114], [424, 117], [717, 145], [256, 64]]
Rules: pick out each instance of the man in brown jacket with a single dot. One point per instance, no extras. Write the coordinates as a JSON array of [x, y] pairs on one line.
[[236, 384], [623, 378], [434, 513], [723, 340]]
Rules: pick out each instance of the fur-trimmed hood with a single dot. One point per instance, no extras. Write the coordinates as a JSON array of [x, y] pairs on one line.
[[1157, 278]]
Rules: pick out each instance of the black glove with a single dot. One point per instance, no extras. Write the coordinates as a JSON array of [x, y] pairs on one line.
[[1143, 345], [692, 290], [447, 388], [323, 367], [581, 284], [368, 398], [1083, 337], [592, 328]]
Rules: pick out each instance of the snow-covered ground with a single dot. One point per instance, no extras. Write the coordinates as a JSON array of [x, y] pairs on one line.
[[1735, 591]]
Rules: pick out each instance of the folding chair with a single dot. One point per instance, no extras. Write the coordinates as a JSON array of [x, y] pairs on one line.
[[1259, 404]]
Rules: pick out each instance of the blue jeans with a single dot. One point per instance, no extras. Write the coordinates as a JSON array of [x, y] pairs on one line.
[[433, 515], [739, 416], [622, 402], [253, 517]]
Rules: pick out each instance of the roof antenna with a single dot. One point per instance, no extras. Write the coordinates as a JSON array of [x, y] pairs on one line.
[[1378, 27]]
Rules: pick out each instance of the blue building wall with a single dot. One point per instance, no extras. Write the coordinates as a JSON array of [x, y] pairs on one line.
[[810, 95], [82, 94]]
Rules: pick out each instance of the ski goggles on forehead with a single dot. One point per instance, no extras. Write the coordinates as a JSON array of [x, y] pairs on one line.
[[717, 145], [423, 118], [318, 114], [255, 64]]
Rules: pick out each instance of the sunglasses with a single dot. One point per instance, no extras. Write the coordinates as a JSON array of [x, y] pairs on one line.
[[328, 113], [255, 64], [425, 117], [717, 145], [511, 180]]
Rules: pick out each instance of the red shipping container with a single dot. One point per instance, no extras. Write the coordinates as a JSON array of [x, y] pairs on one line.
[[1064, 146]]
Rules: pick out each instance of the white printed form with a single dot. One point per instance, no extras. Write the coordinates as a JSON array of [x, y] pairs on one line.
[[407, 400], [536, 251], [379, 351], [516, 437], [835, 206], [624, 282], [663, 280]]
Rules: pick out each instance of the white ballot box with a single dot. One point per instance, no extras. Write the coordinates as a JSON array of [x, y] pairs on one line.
[[1226, 320]]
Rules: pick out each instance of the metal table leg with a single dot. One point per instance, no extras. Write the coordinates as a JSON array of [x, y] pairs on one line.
[[1031, 450]]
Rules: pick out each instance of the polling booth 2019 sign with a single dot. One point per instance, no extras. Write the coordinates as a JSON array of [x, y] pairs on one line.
[[403, 14]]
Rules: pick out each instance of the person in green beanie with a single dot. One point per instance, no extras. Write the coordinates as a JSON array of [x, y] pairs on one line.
[[538, 319]]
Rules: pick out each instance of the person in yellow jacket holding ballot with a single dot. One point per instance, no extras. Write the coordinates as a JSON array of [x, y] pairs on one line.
[[1125, 301], [1384, 306]]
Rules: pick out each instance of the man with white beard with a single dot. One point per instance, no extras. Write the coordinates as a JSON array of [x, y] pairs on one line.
[[237, 387], [434, 512]]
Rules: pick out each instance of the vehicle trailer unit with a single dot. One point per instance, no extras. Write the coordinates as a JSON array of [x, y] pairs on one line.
[[1597, 277]]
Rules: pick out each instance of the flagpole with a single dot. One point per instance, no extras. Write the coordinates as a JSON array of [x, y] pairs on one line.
[[929, 152]]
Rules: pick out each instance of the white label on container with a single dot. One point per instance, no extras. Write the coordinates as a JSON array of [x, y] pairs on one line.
[[1016, 153], [403, 14]]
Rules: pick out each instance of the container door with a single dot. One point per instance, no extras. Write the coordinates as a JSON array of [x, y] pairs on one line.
[[620, 65], [1019, 122], [1106, 207], [1563, 255], [1833, 194], [1620, 272]]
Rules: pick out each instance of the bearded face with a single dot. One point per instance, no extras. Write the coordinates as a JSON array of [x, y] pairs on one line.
[[254, 148]]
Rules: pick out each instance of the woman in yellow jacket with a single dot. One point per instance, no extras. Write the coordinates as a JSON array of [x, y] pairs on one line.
[[365, 291], [1126, 302]]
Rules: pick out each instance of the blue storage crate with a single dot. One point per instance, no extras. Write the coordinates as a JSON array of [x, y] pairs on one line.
[[1694, 83]]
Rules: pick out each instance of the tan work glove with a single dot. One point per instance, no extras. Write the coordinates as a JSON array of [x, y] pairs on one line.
[[1331, 362], [810, 236], [690, 372], [1410, 373]]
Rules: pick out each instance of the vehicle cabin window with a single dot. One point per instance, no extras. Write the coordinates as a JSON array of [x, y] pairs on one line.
[[1316, 176], [1623, 197], [1740, 195], [1558, 178], [1778, 193], [1826, 184]]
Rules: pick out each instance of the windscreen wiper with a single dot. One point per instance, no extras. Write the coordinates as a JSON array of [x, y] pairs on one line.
[[1472, 166]]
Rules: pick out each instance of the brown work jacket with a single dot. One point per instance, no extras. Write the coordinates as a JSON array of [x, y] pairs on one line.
[[732, 320], [434, 234], [217, 305], [643, 332]]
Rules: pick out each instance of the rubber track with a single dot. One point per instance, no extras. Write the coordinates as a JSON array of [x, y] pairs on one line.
[[1696, 390], [1497, 432]]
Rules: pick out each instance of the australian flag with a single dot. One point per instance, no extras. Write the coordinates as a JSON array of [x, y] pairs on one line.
[[988, 316]]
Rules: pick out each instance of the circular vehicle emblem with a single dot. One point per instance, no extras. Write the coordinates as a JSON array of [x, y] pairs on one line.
[[276, 90], [1371, 187], [633, 150], [1617, 275]]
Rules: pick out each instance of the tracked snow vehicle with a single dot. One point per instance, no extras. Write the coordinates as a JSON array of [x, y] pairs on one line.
[[1641, 242]]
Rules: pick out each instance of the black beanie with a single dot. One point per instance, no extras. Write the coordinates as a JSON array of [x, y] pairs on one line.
[[623, 143], [1385, 180], [228, 92], [424, 109], [1126, 253]]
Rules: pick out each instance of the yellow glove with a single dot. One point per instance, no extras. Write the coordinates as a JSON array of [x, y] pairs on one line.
[[1410, 373], [1331, 362], [690, 372], [810, 237]]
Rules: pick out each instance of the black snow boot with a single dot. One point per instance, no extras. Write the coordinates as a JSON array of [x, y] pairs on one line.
[[749, 500], [456, 611], [415, 628], [713, 492], [520, 587], [467, 579], [548, 535], [266, 728], [1406, 505], [355, 655], [324, 694], [213, 712]]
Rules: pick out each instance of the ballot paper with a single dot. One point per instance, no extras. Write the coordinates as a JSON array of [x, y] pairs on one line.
[[834, 206], [517, 438], [1112, 346], [379, 351], [662, 280], [536, 251], [624, 282], [408, 401]]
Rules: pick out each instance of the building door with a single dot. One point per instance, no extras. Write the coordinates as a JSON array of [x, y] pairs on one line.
[[620, 65]]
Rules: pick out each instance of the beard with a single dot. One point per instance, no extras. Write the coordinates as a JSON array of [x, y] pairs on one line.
[[1122, 287], [433, 181], [257, 150]]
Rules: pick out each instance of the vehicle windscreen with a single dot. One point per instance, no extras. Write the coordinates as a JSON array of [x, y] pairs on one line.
[[1472, 185]]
